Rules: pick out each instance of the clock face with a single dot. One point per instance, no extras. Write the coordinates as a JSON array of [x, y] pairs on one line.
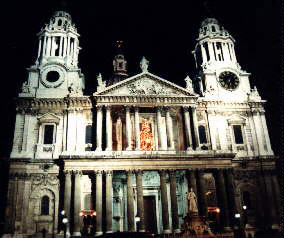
[[229, 80]]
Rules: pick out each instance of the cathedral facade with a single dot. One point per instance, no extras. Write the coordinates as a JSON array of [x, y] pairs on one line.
[[126, 157]]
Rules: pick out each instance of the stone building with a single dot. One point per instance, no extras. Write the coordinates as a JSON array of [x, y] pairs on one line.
[[125, 158]]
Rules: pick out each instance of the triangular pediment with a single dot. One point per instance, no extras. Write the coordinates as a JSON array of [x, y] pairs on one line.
[[236, 119], [48, 118], [144, 84]]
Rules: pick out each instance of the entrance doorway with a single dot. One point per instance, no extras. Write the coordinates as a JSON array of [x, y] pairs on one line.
[[150, 214]]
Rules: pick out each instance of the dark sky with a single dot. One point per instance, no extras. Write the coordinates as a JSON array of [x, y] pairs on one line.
[[163, 32]]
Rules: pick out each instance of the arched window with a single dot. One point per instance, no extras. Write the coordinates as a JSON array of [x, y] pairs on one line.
[[202, 134], [45, 205]]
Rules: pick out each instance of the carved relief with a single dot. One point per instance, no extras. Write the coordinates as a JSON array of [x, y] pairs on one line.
[[147, 86]]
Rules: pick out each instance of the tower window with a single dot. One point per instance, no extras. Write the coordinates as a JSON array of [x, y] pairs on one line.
[[48, 134], [120, 65], [202, 134], [59, 23], [238, 134], [207, 51], [213, 29], [45, 205]]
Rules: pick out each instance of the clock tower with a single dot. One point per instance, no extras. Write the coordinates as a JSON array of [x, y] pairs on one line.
[[220, 75], [55, 73]]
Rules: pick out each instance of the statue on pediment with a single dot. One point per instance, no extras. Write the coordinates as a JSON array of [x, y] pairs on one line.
[[25, 87], [188, 82], [144, 64], [100, 82]]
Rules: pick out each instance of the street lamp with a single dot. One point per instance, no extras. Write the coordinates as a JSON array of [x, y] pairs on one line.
[[65, 224], [137, 220]]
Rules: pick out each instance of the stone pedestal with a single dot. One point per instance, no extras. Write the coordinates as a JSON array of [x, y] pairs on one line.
[[196, 225]]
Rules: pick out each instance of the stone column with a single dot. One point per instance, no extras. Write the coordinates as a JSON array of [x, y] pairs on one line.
[[108, 128], [130, 205], [140, 202], [195, 127], [128, 128], [109, 201], [99, 127], [277, 195], [265, 130], [39, 48], [174, 204], [159, 121], [222, 198], [44, 46], [77, 203], [48, 46], [164, 200], [204, 56], [169, 125], [202, 202], [67, 197], [231, 192], [187, 128], [99, 198], [137, 128], [65, 46], [60, 46], [271, 201], [258, 131]]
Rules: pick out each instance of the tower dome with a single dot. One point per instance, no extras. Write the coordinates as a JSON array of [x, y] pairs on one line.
[[211, 27], [58, 41]]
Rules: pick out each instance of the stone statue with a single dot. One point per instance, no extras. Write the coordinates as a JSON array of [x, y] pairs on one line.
[[192, 202], [101, 83], [188, 82], [25, 87], [254, 95], [144, 64]]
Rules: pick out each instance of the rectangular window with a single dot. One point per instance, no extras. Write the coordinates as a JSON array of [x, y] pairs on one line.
[[238, 134], [48, 134], [88, 138]]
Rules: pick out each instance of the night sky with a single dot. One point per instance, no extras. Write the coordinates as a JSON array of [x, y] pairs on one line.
[[163, 32]]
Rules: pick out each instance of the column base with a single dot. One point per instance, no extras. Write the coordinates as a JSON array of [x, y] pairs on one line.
[[108, 149], [227, 229], [177, 231], [143, 230], [128, 149], [171, 148], [109, 232], [167, 231], [98, 149], [189, 149], [275, 227], [98, 233], [76, 233]]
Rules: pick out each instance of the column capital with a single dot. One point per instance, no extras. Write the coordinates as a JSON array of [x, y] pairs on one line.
[[109, 172], [136, 108], [172, 172], [159, 109], [67, 172], [108, 107], [127, 108], [162, 172], [139, 172], [99, 172], [77, 172], [201, 171], [99, 107], [193, 107], [185, 108]]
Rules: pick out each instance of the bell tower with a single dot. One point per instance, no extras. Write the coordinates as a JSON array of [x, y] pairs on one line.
[[56, 73], [220, 75]]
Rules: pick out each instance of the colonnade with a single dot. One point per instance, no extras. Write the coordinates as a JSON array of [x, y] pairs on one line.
[[196, 181], [60, 46], [163, 143]]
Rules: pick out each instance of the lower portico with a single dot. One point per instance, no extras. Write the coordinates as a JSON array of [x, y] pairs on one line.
[[124, 190]]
